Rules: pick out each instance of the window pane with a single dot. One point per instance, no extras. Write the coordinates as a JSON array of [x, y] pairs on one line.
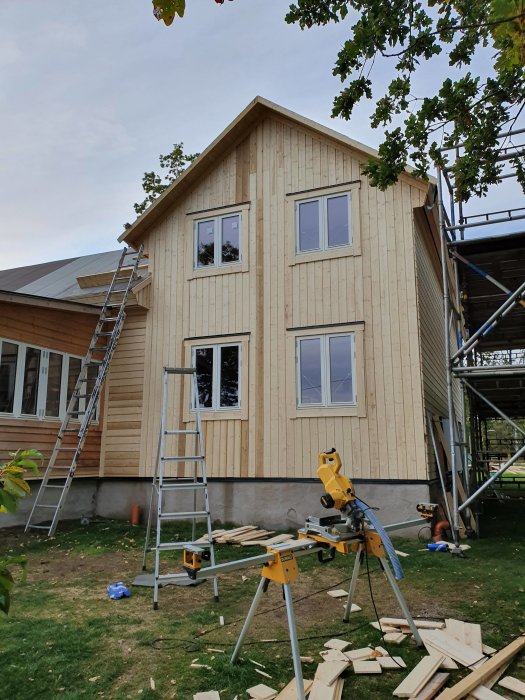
[[341, 385], [338, 224], [205, 243], [230, 239], [72, 375], [31, 376], [309, 226], [310, 370], [8, 362], [54, 376], [229, 376], [204, 366]]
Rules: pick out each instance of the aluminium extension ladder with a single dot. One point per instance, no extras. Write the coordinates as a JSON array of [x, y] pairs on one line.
[[82, 406], [180, 486]]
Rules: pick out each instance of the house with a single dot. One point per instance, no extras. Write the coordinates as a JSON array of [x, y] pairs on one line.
[[311, 305]]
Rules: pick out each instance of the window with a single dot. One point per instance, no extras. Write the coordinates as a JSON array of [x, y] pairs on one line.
[[35, 382], [325, 370], [217, 241], [323, 223], [218, 376]]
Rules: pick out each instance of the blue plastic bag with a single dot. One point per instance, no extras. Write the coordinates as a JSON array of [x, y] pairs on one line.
[[435, 547], [118, 590]]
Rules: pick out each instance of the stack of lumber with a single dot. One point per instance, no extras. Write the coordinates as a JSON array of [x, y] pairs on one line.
[[246, 535]]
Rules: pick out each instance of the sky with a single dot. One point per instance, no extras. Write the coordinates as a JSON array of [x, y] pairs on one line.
[[93, 91]]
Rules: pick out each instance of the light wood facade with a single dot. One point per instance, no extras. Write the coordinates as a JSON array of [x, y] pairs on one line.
[[379, 288], [383, 289]]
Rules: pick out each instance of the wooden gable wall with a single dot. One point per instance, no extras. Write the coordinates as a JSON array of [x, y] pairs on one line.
[[374, 289]]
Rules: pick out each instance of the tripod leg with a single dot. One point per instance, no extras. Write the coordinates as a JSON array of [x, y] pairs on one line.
[[353, 583], [263, 587], [293, 641], [400, 599]]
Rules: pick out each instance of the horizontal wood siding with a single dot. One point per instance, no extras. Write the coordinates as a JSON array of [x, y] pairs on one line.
[[120, 452], [375, 288], [63, 331]]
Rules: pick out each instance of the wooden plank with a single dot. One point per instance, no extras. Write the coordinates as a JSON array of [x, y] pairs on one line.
[[339, 593], [384, 628], [513, 684], [478, 676], [290, 691], [360, 654], [391, 663], [364, 667], [209, 695], [394, 637], [432, 687], [320, 691], [447, 645], [465, 632], [333, 655], [418, 677], [262, 692], [329, 671], [420, 624], [484, 693]]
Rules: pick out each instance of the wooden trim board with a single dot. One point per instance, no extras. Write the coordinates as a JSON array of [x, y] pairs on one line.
[[467, 684], [290, 692], [418, 677]]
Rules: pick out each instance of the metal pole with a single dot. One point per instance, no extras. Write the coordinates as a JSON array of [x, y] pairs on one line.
[[353, 583], [494, 408], [502, 311], [495, 476], [448, 366], [263, 585], [402, 602], [296, 654]]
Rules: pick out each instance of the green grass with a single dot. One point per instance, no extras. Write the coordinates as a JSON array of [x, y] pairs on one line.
[[65, 639]]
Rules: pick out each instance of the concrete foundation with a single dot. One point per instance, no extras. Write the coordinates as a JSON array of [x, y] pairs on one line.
[[270, 504]]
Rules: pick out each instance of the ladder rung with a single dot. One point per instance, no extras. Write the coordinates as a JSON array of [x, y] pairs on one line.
[[81, 396], [191, 458], [108, 333], [39, 527], [184, 516], [76, 413], [67, 449], [55, 486], [41, 505], [94, 363], [181, 432], [183, 487], [71, 430], [113, 306], [107, 319]]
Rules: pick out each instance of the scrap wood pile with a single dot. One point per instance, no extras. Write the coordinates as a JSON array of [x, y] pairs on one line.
[[449, 645], [245, 536]]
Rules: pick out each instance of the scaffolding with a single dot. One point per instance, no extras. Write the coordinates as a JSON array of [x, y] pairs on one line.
[[483, 270]]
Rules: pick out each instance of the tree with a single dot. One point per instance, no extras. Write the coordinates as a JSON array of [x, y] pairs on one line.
[[409, 34], [14, 487], [175, 162]]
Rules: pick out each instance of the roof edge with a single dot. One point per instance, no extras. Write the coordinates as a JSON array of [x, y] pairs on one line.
[[48, 302]]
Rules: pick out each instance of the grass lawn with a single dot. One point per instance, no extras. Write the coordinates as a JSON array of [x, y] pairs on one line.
[[65, 639]]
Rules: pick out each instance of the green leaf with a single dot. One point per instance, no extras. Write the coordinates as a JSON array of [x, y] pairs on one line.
[[12, 487], [8, 502]]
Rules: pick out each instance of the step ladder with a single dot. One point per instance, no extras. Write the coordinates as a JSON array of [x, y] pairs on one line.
[[82, 406], [180, 486]]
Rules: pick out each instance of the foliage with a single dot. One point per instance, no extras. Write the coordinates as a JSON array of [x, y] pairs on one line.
[[153, 185], [468, 108], [13, 487]]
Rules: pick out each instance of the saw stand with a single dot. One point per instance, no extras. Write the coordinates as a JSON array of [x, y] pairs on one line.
[[283, 569]]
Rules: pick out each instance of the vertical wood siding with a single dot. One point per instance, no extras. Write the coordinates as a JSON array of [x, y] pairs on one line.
[[376, 288], [58, 330]]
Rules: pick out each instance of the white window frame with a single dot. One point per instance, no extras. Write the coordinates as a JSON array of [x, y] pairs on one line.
[[323, 223], [42, 383], [216, 379], [217, 234], [325, 370]]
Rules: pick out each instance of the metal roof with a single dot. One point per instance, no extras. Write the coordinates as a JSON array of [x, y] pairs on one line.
[[58, 279]]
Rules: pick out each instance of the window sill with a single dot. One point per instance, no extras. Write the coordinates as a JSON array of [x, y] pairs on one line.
[[31, 420], [213, 271], [327, 412], [234, 414], [331, 254]]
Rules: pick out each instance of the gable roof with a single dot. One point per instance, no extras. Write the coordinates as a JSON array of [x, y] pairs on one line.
[[256, 110]]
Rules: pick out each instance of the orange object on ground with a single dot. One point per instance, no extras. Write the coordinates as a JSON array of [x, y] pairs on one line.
[[135, 514]]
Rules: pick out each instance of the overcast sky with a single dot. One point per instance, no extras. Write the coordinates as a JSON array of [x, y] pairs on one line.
[[93, 91]]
